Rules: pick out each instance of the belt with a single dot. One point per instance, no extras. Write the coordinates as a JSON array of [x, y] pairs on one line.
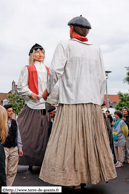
[[43, 112]]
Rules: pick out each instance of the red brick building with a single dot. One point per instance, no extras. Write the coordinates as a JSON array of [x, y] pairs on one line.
[[3, 96], [112, 100]]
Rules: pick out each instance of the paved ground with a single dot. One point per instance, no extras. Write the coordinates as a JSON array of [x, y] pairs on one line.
[[120, 185]]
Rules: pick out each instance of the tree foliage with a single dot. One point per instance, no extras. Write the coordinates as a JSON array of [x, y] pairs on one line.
[[17, 102], [124, 101], [126, 79]]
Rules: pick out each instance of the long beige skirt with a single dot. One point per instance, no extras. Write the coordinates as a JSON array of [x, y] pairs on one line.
[[78, 150]]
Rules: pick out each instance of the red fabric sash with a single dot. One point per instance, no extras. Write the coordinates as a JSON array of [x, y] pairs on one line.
[[33, 78], [81, 38]]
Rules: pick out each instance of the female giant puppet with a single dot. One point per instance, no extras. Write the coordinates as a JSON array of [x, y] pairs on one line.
[[33, 119], [78, 150]]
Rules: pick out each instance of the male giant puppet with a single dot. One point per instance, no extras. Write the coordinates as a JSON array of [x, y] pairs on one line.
[[78, 149], [33, 119]]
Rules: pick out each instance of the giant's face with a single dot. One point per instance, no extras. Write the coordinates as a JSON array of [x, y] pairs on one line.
[[39, 55]]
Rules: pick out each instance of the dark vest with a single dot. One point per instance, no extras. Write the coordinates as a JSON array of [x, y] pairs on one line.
[[11, 140]]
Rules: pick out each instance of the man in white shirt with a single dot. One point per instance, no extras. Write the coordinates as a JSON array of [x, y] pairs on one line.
[[78, 150]]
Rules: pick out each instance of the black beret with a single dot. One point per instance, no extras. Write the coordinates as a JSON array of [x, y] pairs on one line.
[[80, 21], [6, 106], [35, 47], [51, 109]]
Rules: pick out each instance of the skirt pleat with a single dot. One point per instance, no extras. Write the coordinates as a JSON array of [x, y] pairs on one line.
[[78, 150]]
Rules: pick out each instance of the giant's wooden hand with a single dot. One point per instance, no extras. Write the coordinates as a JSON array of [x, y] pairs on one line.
[[45, 94], [35, 96]]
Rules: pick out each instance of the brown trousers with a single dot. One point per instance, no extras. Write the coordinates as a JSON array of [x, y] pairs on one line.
[[11, 162], [119, 152]]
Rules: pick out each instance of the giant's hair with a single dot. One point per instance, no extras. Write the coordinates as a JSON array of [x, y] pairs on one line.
[[81, 30], [3, 124]]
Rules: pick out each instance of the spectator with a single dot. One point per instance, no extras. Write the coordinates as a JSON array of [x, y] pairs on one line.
[[107, 122], [125, 117], [52, 100], [111, 141], [52, 112], [109, 116], [12, 146], [3, 135], [120, 132]]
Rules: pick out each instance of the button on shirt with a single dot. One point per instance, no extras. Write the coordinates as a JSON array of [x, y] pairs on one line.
[[25, 92], [79, 68]]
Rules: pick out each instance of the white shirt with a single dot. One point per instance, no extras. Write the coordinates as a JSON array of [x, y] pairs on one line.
[[79, 68], [25, 92]]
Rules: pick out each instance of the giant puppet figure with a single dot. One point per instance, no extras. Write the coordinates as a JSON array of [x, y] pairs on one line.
[[78, 149], [33, 119]]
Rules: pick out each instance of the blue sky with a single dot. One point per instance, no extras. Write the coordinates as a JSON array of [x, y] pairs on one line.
[[26, 22]]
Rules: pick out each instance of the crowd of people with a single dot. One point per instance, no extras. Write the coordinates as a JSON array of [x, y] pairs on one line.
[[11, 143], [77, 150], [118, 135]]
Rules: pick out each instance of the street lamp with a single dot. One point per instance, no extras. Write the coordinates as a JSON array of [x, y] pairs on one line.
[[107, 72]]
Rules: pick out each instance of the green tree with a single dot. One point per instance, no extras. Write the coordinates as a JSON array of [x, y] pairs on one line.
[[126, 79], [17, 102], [124, 101]]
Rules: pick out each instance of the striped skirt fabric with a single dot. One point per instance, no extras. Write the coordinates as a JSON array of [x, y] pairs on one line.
[[78, 150]]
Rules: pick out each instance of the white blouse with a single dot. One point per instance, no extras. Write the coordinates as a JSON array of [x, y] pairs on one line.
[[79, 68], [25, 92]]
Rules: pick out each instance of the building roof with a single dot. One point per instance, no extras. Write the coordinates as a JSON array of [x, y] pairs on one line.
[[112, 98]]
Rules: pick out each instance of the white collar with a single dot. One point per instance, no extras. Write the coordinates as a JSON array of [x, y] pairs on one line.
[[86, 42], [38, 63]]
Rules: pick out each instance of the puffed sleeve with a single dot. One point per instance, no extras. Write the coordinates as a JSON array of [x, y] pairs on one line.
[[22, 86], [57, 66]]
